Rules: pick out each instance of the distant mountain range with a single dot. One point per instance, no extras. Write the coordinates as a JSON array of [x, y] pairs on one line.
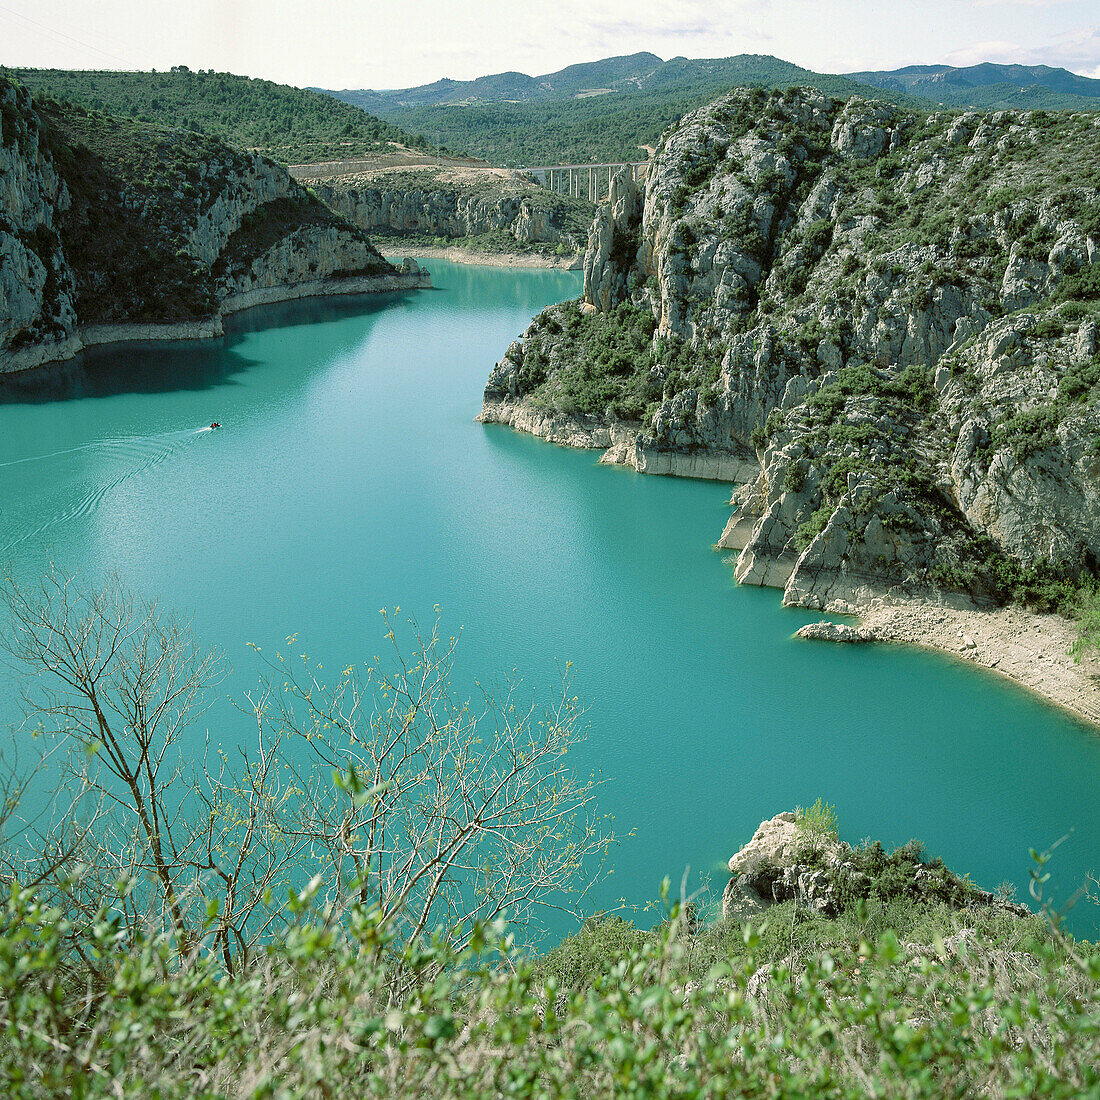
[[985, 85], [610, 109], [990, 86], [638, 72], [613, 73]]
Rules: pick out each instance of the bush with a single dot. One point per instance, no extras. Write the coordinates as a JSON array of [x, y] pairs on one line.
[[811, 528], [798, 1006], [794, 477], [1088, 625], [818, 822], [1084, 286]]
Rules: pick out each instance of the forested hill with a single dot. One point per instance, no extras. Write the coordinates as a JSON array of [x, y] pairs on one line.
[[992, 87], [606, 110], [633, 73], [289, 125], [594, 77]]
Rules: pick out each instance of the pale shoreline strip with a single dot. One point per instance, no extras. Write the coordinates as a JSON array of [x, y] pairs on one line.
[[458, 255], [1029, 648], [207, 328]]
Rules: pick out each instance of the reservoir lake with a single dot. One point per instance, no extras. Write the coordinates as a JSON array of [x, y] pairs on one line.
[[350, 476]]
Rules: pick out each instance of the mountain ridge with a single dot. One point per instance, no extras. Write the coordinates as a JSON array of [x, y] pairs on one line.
[[987, 84], [615, 73], [606, 110]]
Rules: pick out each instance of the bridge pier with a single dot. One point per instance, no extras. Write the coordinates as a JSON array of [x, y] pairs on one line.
[[585, 179]]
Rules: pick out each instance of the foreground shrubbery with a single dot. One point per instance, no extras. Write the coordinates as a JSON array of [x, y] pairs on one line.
[[144, 952], [328, 1011]]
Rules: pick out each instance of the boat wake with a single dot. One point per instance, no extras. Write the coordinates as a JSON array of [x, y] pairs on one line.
[[82, 478]]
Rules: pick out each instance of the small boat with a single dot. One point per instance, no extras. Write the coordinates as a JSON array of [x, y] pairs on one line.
[[214, 425]]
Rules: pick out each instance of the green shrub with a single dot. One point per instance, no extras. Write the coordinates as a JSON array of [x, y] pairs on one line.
[[817, 822], [811, 528], [1084, 286], [800, 1005], [794, 477]]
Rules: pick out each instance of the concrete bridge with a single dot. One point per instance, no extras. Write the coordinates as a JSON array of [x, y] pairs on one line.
[[588, 181]]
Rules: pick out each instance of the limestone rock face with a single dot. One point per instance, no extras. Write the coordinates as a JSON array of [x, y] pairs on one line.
[[835, 291], [616, 220], [36, 284], [832, 632], [217, 226], [310, 253], [405, 207], [782, 863], [240, 191], [861, 131], [775, 841]]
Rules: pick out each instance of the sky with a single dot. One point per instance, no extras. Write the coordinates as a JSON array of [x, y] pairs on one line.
[[401, 43]]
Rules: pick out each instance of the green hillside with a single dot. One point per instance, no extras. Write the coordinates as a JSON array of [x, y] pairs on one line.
[[607, 109], [612, 73], [992, 87], [290, 125], [566, 129]]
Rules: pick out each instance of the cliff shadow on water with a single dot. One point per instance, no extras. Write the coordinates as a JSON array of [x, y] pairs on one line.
[[162, 367]]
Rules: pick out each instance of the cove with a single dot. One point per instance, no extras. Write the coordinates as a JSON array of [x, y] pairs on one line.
[[350, 476]]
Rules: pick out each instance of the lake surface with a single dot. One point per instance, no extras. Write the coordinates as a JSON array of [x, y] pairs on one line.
[[350, 476]]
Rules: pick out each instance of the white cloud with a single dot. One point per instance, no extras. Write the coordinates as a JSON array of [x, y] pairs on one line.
[[1077, 50], [397, 43], [1003, 53]]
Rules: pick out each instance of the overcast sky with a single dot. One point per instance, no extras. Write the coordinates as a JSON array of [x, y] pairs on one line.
[[399, 43]]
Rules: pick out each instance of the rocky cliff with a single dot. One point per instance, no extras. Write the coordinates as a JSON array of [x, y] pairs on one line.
[[885, 322], [789, 860], [109, 224], [500, 211]]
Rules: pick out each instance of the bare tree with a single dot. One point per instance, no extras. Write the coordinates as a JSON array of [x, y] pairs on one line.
[[443, 815], [439, 815], [114, 686]]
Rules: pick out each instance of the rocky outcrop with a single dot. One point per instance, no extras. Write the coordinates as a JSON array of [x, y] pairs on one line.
[[833, 632], [434, 204], [788, 861], [609, 243], [831, 292], [622, 442], [36, 287], [775, 866], [113, 231]]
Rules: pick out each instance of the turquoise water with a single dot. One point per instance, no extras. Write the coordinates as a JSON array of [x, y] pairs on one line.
[[350, 476]]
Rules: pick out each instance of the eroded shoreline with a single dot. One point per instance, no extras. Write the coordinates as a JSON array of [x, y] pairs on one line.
[[1029, 648], [458, 255], [207, 328]]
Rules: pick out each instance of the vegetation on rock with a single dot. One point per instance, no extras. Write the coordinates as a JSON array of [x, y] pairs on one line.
[[896, 313], [129, 223], [476, 210]]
